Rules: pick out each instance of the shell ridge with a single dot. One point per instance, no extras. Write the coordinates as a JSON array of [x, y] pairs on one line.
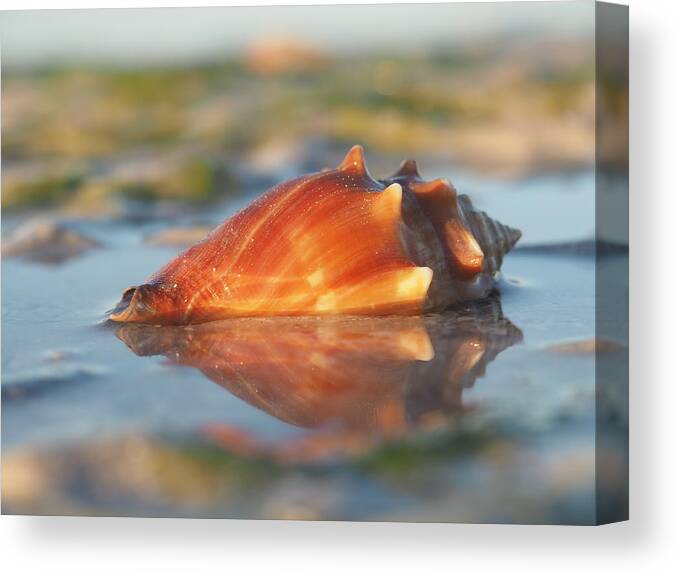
[[311, 228], [269, 284]]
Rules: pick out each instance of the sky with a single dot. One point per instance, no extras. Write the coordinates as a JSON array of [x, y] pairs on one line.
[[186, 35]]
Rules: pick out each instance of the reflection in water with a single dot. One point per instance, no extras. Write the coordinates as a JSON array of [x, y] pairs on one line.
[[344, 373]]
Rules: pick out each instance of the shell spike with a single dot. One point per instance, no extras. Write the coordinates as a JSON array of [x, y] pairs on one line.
[[412, 284], [440, 187], [390, 201], [408, 169], [354, 161]]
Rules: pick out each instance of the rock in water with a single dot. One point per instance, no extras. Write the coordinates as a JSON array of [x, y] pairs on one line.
[[47, 241]]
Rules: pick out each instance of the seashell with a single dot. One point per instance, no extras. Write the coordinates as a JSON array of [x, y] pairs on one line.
[[333, 242], [367, 373]]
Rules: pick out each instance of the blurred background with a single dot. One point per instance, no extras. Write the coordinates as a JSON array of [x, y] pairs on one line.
[[128, 134], [100, 107]]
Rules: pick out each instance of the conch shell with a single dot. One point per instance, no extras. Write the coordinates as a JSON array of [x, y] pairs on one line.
[[333, 242]]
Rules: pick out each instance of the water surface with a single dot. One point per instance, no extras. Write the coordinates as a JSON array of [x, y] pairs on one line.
[[470, 415]]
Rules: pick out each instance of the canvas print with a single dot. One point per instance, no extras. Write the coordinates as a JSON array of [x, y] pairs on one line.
[[362, 262]]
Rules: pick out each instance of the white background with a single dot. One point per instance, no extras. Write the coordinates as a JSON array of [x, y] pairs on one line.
[[647, 544]]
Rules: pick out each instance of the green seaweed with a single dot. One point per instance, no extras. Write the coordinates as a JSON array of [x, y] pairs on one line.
[[45, 191]]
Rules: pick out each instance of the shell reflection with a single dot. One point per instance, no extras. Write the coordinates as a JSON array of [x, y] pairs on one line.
[[354, 374]]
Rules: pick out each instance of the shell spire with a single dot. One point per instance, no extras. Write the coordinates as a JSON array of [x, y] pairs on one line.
[[332, 242], [494, 238]]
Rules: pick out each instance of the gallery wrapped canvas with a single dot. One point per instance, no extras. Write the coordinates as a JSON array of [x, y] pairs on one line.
[[364, 263]]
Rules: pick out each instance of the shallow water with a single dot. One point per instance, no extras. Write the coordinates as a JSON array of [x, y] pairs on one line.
[[468, 415]]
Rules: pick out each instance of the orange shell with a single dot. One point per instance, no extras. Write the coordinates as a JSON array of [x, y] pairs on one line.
[[333, 242]]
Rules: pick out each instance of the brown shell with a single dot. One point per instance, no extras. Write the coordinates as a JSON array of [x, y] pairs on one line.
[[333, 242]]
